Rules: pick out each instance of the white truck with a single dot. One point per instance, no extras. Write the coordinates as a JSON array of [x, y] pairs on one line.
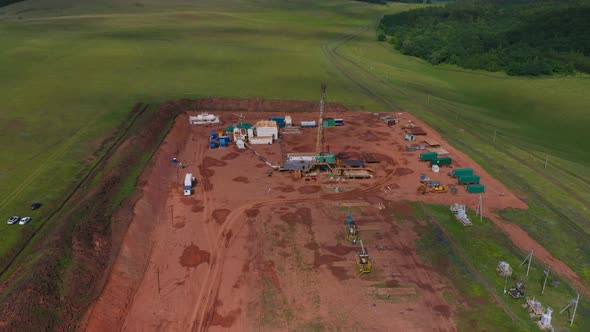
[[189, 180]]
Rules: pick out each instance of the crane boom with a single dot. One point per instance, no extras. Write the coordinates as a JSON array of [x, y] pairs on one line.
[[320, 143]]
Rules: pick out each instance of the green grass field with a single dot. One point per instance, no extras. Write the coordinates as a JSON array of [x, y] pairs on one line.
[[72, 71], [68, 78]]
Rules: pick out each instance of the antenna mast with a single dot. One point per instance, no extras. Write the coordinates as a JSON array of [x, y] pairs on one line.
[[319, 146]]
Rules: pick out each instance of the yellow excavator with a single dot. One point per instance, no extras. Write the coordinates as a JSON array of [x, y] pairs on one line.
[[363, 262], [432, 187]]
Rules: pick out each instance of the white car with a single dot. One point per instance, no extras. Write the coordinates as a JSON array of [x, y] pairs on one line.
[[13, 220], [24, 221]]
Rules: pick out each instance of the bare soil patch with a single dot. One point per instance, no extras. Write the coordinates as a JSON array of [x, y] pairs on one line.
[[220, 215], [192, 256]]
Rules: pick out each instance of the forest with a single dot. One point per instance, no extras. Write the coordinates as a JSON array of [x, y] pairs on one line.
[[524, 38]]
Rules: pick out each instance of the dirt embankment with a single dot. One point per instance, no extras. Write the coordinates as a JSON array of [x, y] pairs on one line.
[[73, 256]]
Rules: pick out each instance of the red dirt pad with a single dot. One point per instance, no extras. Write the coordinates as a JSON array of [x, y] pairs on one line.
[[278, 240]]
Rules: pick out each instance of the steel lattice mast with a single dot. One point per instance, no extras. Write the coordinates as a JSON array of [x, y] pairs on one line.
[[320, 138]]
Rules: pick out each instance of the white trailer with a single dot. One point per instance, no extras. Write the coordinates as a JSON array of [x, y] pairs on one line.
[[188, 184]]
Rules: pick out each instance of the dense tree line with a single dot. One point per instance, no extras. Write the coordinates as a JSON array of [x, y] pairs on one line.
[[523, 38], [8, 2], [380, 2]]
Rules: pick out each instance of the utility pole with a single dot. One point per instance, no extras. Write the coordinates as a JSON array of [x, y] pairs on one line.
[[573, 302], [546, 160], [479, 209], [528, 258], [546, 272]]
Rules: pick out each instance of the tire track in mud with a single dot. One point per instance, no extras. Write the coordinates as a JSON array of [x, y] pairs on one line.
[[204, 310]]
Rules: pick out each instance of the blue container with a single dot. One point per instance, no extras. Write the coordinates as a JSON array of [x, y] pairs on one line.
[[280, 121], [339, 122], [212, 145], [224, 140], [213, 134], [222, 143]]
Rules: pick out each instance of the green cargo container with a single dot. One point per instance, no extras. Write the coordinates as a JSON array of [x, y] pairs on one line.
[[329, 122], [476, 188], [469, 179], [328, 158], [444, 161], [428, 156], [457, 172]]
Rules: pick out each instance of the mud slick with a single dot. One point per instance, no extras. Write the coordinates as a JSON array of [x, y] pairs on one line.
[[248, 251]]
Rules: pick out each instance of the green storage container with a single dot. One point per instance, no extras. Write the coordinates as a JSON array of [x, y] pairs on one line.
[[428, 156], [329, 158], [444, 161], [476, 188], [469, 179], [457, 172], [329, 122]]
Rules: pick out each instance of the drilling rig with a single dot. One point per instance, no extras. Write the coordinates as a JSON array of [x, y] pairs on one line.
[[322, 159]]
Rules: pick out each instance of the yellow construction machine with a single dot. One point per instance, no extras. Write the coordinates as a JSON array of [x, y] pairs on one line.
[[363, 262], [432, 187]]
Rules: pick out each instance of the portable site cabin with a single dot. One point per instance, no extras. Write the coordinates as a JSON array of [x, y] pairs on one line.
[[188, 184], [458, 172], [267, 128], [260, 140], [308, 124], [288, 121]]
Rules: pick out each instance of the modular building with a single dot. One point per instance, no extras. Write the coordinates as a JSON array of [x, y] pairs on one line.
[[267, 128], [428, 156], [457, 172], [444, 161], [476, 188], [469, 179], [260, 140], [301, 156]]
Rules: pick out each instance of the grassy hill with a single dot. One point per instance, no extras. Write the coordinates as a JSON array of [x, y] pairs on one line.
[[72, 71]]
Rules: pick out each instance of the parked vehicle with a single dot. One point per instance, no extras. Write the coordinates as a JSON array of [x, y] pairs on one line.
[[36, 205], [13, 220], [24, 220]]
